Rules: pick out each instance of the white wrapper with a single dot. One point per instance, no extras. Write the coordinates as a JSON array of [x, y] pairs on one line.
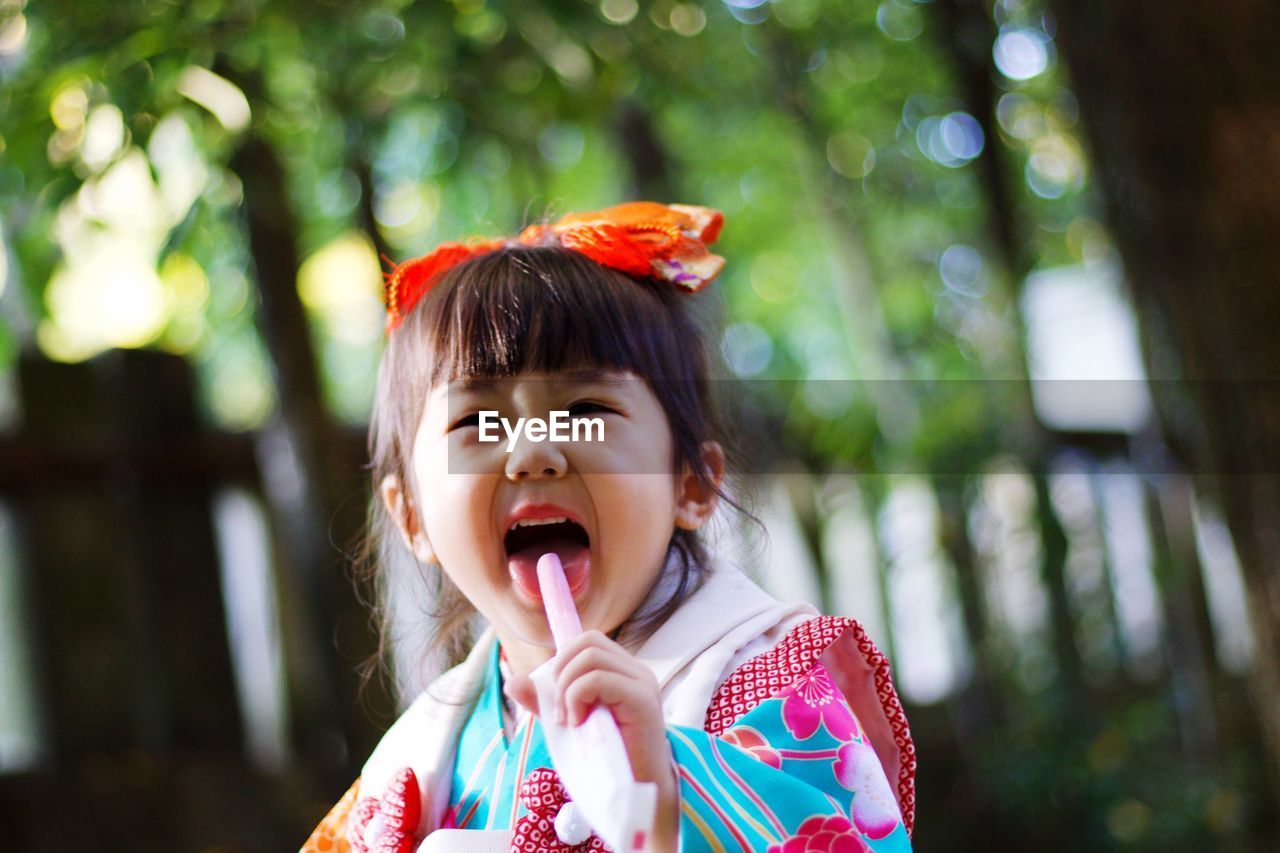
[[592, 762]]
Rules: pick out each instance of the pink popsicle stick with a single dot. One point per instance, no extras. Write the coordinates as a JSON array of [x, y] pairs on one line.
[[562, 615]]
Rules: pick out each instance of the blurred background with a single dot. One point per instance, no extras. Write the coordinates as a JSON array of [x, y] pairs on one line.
[[1001, 281]]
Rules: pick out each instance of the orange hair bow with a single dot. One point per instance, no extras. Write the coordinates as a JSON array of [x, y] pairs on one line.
[[642, 239]]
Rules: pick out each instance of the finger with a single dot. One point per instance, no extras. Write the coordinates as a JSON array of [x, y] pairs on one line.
[[594, 653], [593, 658], [586, 640], [585, 661], [598, 659], [521, 690], [599, 686]]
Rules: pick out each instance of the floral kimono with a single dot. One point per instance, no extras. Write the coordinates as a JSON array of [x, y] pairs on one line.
[[784, 726]]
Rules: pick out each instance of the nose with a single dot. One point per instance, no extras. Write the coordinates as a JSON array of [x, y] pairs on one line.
[[535, 460]]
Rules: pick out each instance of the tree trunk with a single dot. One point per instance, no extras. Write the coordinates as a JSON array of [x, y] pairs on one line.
[[1053, 566], [647, 158], [1188, 633], [968, 35], [979, 701], [1182, 108], [318, 503]]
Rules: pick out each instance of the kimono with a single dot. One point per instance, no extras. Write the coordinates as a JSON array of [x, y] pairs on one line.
[[785, 729]]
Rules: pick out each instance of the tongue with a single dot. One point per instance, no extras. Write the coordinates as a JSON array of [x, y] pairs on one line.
[[574, 556]]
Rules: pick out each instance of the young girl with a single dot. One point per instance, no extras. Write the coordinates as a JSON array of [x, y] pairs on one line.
[[763, 725]]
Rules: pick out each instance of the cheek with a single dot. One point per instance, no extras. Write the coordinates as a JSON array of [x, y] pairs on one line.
[[457, 507], [640, 446], [464, 502], [640, 509]]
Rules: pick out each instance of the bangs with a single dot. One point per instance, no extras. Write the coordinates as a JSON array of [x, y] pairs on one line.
[[547, 310]]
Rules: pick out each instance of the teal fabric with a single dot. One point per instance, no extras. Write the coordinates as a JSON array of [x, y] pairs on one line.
[[489, 768]]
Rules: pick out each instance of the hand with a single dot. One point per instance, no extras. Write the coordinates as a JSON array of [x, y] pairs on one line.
[[594, 669]]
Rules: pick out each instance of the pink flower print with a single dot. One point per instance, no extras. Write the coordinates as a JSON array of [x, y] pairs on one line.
[[874, 807], [750, 740], [822, 833], [813, 699]]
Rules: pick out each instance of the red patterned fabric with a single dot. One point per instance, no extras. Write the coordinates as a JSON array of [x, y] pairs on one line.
[[828, 638], [387, 824], [543, 795]]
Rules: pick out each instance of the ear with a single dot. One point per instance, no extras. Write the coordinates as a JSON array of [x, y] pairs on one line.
[[695, 501], [400, 507]]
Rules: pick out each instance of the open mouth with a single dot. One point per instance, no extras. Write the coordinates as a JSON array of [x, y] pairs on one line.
[[544, 535], [527, 540]]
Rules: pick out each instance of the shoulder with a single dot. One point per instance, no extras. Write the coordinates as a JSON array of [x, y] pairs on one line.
[[837, 649], [441, 706], [399, 774], [424, 738], [783, 660]]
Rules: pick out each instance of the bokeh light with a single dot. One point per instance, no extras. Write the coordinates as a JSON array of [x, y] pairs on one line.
[[952, 140], [687, 19], [341, 283], [747, 349], [900, 21], [222, 98], [14, 35], [619, 11], [1021, 54], [962, 270], [851, 154], [1055, 167], [775, 277], [561, 144], [115, 299]]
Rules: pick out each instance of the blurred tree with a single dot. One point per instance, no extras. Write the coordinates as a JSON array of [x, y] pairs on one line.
[[1182, 115]]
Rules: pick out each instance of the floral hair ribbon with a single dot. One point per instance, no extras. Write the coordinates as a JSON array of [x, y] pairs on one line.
[[643, 239]]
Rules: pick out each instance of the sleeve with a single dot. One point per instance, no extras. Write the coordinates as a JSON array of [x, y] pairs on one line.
[[330, 835], [369, 824], [799, 747]]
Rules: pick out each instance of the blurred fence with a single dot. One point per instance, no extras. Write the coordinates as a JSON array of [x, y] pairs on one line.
[[160, 693]]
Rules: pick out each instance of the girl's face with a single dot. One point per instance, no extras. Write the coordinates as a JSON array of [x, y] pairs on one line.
[[607, 507]]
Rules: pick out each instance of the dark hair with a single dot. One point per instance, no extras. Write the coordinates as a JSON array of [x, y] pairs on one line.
[[541, 309]]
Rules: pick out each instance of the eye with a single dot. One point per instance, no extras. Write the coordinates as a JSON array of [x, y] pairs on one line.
[[472, 419], [586, 407]]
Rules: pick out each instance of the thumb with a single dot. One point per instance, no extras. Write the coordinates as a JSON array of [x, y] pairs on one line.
[[520, 688]]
